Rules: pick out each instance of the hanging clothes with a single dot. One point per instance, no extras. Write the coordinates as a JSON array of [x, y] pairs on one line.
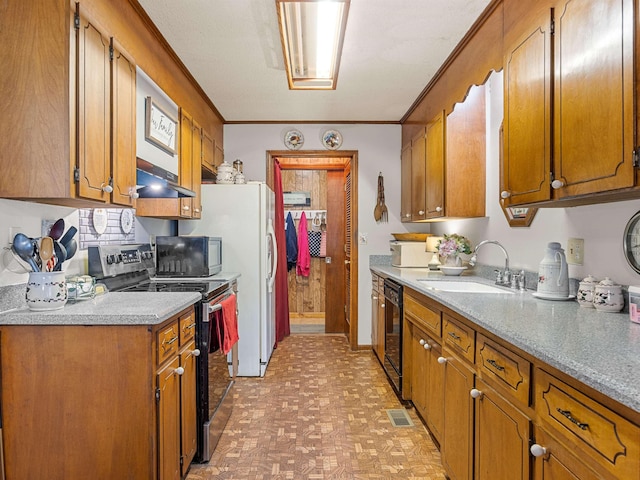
[[304, 258], [292, 243]]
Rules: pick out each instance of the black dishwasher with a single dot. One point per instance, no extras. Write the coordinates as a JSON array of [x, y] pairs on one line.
[[393, 334]]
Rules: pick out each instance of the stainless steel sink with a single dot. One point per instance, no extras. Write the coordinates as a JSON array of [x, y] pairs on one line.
[[460, 286]]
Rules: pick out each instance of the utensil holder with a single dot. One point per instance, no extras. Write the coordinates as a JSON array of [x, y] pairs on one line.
[[46, 291]]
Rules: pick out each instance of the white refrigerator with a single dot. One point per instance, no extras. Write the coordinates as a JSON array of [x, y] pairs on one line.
[[243, 215]]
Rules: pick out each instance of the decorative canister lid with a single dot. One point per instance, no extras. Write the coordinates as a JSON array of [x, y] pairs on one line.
[[608, 282], [589, 279]]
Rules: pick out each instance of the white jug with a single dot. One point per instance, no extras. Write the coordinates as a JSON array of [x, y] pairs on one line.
[[553, 274]]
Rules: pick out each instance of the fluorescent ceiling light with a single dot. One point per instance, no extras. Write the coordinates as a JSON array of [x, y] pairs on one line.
[[312, 32]]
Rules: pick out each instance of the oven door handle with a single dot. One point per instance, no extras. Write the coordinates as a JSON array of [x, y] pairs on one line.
[[214, 308]]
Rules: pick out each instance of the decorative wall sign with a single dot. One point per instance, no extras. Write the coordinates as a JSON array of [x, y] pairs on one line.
[[299, 199], [160, 128]]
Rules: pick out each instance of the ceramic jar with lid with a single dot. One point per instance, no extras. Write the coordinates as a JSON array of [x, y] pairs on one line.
[[225, 173], [586, 290], [608, 296]]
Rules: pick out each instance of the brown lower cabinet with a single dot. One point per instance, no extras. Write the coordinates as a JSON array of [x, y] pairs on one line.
[[96, 401], [500, 414]]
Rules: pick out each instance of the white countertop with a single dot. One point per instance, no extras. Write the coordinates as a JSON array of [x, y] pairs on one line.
[[602, 350], [113, 308]]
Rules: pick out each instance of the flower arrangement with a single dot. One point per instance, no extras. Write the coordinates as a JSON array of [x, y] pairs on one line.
[[453, 245]]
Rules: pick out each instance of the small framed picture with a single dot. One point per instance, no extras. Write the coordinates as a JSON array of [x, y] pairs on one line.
[[160, 128]]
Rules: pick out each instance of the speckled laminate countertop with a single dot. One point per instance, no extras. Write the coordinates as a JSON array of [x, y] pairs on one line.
[[602, 350], [113, 308]]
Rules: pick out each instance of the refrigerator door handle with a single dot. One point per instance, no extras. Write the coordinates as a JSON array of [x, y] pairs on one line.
[[274, 264]]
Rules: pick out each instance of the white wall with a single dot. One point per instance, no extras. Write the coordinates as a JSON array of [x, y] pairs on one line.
[[601, 226], [378, 149]]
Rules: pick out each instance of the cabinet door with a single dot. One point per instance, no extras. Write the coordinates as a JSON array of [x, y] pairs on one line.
[[434, 395], [419, 360], [208, 151], [593, 96], [123, 133], [374, 316], [169, 422], [502, 435], [94, 111], [435, 167], [457, 445], [186, 161], [405, 183], [196, 170], [558, 463], [527, 102], [418, 180], [188, 420]]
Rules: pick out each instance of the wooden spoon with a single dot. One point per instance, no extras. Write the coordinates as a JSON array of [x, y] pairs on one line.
[[46, 251]]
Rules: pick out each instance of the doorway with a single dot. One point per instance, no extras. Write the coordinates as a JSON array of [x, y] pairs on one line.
[[332, 177]]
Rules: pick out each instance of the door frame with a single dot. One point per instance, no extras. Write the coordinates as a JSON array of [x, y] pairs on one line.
[[329, 160]]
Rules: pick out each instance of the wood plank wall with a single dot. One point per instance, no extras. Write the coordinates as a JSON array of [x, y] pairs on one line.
[[307, 294]]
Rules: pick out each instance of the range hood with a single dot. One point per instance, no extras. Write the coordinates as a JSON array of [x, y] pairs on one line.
[[153, 181]]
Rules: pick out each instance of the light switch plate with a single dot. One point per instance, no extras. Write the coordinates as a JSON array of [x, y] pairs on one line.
[[575, 251]]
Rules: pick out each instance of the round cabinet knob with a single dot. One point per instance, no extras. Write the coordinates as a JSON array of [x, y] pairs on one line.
[[442, 360], [382, 306], [197, 210], [556, 184], [106, 188], [537, 450], [427, 346], [422, 342], [421, 212], [185, 207], [196, 352], [438, 209], [133, 193], [475, 393], [407, 215], [180, 370], [504, 194]]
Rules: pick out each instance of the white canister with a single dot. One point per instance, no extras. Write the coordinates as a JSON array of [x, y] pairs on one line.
[[225, 173], [46, 291], [586, 291], [608, 296]]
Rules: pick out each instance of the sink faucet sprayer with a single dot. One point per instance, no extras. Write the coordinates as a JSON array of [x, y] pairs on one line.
[[504, 277]]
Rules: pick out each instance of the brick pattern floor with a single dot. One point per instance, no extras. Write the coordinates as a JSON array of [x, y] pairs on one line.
[[319, 413]]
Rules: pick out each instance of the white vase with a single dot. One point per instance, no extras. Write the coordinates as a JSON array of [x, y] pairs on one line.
[[452, 261]]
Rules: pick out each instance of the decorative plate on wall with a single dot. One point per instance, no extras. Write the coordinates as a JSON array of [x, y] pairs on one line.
[[126, 220], [332, 139], [99, 220], [293, 140]]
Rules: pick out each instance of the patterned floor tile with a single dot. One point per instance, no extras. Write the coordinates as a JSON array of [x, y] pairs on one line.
[[319, 413]]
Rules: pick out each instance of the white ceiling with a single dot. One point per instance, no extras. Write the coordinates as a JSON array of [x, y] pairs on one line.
[[392, 48]]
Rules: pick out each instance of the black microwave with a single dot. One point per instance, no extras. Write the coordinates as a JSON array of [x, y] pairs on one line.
[[186, 256]]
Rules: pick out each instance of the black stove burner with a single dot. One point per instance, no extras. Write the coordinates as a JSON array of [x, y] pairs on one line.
[[207, 288]]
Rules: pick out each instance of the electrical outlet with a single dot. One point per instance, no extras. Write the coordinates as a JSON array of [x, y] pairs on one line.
[[575, 251], [12, 233]]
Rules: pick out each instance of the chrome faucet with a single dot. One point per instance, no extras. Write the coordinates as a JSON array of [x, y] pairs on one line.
[[503, 277]]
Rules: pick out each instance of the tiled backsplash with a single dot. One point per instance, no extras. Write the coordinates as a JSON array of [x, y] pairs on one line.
[[113, 235]]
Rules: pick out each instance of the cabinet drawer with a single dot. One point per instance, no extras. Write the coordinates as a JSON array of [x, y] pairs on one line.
[[509, 370], [187, 327], [458, 337], [422, 315], [168, 342], [601, 433]]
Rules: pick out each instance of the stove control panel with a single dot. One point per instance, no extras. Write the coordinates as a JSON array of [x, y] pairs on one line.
[[112, 260]]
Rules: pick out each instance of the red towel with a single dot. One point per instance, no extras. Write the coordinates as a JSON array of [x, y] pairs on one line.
[[230, 321], [303, 267]]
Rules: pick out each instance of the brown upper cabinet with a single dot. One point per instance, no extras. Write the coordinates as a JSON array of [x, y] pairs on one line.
[[568, 102], [68, 82], [443, 168]]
